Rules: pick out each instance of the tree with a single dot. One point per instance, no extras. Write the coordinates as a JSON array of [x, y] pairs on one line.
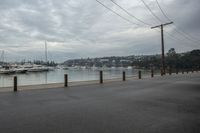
[[171, 52], [172, 58]]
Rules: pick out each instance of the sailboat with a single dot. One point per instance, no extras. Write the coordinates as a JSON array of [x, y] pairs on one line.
[[5, 69], [46, 68], [40, 68]]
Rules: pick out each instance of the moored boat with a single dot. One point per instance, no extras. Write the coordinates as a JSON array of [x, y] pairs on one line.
[[7, 71], [20, 70], [38, 68]]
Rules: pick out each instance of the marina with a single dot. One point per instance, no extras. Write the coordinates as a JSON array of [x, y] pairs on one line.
[[46, 75], [9, 69], [99, 66]]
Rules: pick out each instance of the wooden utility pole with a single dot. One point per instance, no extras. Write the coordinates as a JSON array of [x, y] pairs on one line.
[[162, 45]]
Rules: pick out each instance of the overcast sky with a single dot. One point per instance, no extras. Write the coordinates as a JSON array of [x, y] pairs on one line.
[[84, 28]]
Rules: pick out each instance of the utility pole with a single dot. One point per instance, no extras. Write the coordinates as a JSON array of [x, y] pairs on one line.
[[162, 45]]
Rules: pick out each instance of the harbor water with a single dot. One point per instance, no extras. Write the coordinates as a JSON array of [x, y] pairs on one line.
[[57, 76]]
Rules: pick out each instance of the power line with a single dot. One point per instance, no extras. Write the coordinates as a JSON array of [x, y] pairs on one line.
[[134, 16], [170, 35], [130, 13], [175, 39], [163, 11], [177, 30], [151, 11], [187, 34], [117, 14], [156, 15], [184, 36]]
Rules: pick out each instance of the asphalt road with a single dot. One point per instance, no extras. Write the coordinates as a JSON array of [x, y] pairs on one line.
[[169, 104]]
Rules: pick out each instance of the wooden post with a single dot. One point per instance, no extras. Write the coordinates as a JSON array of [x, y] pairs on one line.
[[124, 76], [66, 80], [15, 83], [139, 75], [101, 77], [152, 73], [176, 71], [170, 71], [182, 71], [161, 72]]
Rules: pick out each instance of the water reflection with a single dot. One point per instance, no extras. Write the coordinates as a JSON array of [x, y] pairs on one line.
[[57, 76]]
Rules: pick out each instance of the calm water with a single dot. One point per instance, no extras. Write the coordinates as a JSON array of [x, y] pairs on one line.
[[57, 76]]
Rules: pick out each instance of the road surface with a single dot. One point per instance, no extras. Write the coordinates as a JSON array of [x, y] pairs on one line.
[[169, 104]]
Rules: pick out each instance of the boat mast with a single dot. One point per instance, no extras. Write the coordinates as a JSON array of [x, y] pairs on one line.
[[2, 57], [46, 52]]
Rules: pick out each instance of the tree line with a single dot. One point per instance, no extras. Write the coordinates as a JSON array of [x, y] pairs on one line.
[[173, 60]]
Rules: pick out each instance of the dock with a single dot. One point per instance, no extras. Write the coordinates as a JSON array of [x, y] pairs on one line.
[[163, 104]]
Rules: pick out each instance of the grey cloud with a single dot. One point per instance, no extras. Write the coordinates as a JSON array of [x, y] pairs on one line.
[[83, 28]]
